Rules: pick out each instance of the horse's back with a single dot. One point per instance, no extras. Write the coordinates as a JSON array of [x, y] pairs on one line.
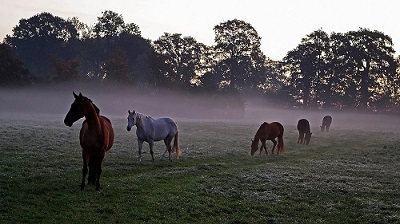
[[278, 127], [164, 127], [327, 120], [270, 131], [303, 125], [165, 122]]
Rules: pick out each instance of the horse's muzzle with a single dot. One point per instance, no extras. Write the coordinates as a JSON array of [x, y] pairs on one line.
[[128, 128], [69, 124]]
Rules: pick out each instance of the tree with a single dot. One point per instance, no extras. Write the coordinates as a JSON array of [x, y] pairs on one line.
[[12, 70], [65, 70], [238, 50], [116, 68], [181, 57], [111, 24], [307, 64], [114, 43], [368, 66], [36, 38], [83, 30]]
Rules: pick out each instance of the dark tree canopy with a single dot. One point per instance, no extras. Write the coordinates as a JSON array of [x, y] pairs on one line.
[[356, 69], [12, 70], [181, 56], [112, 24], [238, 50], [36, 39]]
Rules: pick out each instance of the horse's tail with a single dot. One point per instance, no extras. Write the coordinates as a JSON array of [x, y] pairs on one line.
[[281, 145], [176, 146]]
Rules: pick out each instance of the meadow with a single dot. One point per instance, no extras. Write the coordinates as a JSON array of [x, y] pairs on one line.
[[349, 175]]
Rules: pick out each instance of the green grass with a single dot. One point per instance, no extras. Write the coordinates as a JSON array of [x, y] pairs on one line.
[[345, 176]]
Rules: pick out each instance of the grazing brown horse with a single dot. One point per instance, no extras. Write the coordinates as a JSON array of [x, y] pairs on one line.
[[326, 123], [96, 137], [268, 132], [303, 126]]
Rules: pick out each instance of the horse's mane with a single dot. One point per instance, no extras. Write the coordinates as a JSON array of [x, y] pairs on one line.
[[142, 117], [261, 130], [94, 105]]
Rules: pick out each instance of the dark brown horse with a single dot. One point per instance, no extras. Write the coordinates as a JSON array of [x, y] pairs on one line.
[[303, 126], [326, 123], [96, 137], [268, 132]]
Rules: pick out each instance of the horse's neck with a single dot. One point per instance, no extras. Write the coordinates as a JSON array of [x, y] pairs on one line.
[[262, 132], [144, 123], [92, 117]]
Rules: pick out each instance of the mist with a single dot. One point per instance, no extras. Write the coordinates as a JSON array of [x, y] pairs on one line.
[[53, 102]]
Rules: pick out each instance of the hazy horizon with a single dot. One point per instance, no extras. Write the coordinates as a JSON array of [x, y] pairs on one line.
[[52, 103]]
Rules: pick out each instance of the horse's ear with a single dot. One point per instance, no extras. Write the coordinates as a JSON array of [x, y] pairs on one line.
[[80, 95], [129, 111], [76, 96]]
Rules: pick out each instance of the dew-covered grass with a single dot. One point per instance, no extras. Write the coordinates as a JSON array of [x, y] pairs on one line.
[[345, 176]]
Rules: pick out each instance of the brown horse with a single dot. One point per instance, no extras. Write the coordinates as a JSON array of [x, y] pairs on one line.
[[303, 126], [268, 132], [96, 137], [326, 123]]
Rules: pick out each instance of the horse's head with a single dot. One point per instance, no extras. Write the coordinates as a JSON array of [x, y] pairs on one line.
[[132, 120], [307, 138], [254, 146], [77, 110]]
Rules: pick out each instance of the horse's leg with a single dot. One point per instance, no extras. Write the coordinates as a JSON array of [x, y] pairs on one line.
[[85, 157], [263, 146], [273, 147], [168, 148], [92, 170], [98, 168], [151, 143], [140, 145]]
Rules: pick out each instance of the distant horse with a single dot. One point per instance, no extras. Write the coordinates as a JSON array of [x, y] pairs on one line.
[[326, 123], [268, 132], [96, 137], [303, 126], [151, 130]]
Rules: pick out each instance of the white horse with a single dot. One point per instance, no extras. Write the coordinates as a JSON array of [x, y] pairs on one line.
[[151, 130]]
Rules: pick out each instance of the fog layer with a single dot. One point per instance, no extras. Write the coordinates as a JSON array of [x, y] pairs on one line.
[[54, 102]]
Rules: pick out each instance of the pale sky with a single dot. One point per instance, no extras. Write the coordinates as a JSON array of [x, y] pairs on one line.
[[280, 23]]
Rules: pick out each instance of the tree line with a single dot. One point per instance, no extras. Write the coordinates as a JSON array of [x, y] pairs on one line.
[[353, 70]]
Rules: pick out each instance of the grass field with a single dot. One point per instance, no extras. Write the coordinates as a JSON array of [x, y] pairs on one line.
[[346, 176]]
